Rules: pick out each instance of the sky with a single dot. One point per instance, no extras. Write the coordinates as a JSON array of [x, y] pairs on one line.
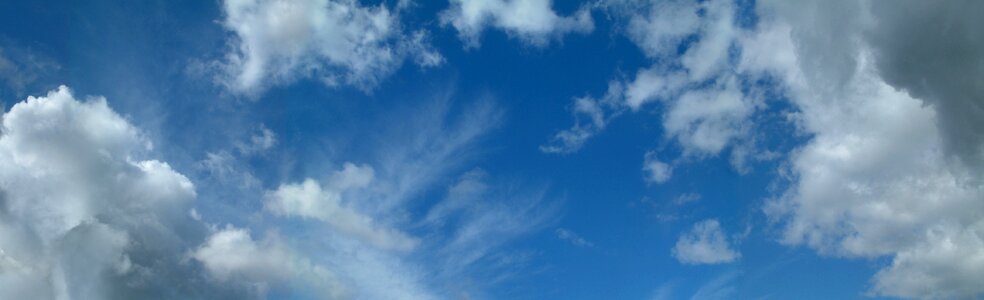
[[491, 149]]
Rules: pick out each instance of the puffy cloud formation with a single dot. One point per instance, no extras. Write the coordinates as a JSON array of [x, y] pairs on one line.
[[656, 171], [707, 107], [335, 41], [533, 21], [82, 215], [231, 255], [326, 204], [882, 174], [119, 226], [705, 243]]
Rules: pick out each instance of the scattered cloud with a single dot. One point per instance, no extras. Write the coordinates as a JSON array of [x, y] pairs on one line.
[[591, 117], [327, 204], [334, 41], [707, 108], [573, 238], [705, 243], [656, 171], [719, 288], [231, 255], [686, 198], [533, 21]]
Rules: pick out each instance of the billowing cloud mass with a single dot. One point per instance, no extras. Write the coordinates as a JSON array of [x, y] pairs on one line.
[[533, 21], [705, 243], [334, 41], [933, 52], [82, 214], [880, 175]]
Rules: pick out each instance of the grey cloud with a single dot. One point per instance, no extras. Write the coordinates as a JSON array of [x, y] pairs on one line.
[[935, 51]]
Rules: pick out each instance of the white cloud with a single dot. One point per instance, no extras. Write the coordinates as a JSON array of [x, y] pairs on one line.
[[482, 218], [81, 214], [335, 41], [656, 171], [327, 204], [706, 121], [533, 21], [706, 108], [877, 178], [262, 140], [663, 27], [597, 112], [231, 255], [705, 243], [573, 238], [719, 288]]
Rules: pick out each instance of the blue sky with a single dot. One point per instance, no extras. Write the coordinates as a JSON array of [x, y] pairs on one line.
[[495, 149]]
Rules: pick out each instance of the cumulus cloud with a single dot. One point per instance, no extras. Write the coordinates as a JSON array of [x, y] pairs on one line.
[[704, 118], [533, 21], [705, 243], [879, 177], [334, 41], [82, 214], [326, 203], [656, 171], [232, 255]]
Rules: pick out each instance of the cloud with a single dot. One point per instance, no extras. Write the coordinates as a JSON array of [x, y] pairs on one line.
[[326, 203], [334, 41], [661, 26], [21, 69], [719, 288], [532, 21], [938, 64], [482, 218], [359, 221], [706, 121], [705, 243], [82, 214], [694, 76], [656, 171], [591, 117], [231, 255], [573, 238], [879, 177]]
